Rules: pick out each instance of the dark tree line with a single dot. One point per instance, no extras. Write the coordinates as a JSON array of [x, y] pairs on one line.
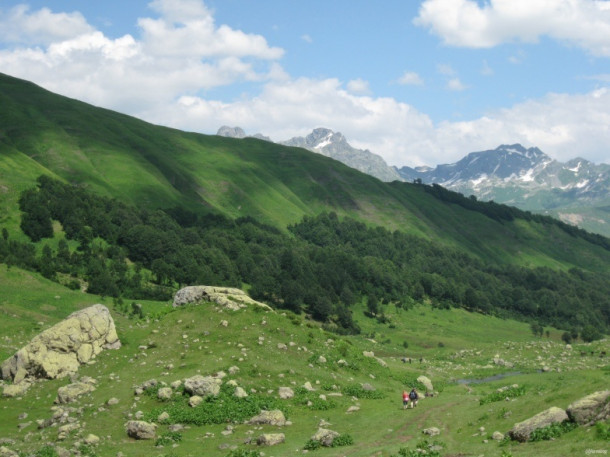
[[322, 267]]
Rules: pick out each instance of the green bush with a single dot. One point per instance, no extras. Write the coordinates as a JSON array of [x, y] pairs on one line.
[[603, 430], [46, 451], [511, 392], [168, 438], [243, 453], [552, 431]]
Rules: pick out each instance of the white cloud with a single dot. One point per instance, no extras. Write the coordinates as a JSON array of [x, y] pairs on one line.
[[456, 85], [182, 51], [167, 84], [584, 23], [42, 27], [445, 69], [358, 86], [486, 70], [307, 38], [410, 78]]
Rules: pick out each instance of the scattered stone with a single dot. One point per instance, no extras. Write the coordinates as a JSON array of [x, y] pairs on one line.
[[273, 417], [141, 430], [432, 431], [202, 386], [368, 353], [522, 430], [6, 452], [71, 392], [590, 409], [165, 393], [240, 392], [61, 349], [308, 386], [321, 359], [497, 436], [368, 387], [92, 439], [286, 393], [163, 416], [112, 401], [270, 439], [353, 409], [325, 436]]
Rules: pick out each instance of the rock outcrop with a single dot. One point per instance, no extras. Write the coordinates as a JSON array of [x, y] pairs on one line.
[[61, 349], [426, 382], [590, 409], [325, 436], [71, 392], [522, 430], [270, 439], [227, 297]]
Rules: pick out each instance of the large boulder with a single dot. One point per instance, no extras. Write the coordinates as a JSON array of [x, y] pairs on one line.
[[141, 430], [590, 409], [426, 382], [61, 349], [522, 430], [202, 386], [227, 297]]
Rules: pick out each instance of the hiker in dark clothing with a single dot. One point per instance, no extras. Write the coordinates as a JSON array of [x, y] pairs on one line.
[[413, 397]]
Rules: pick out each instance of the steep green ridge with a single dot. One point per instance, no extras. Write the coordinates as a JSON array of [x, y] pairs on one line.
[[151, 166]]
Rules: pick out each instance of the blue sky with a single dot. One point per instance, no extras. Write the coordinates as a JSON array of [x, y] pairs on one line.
[[417, 82]]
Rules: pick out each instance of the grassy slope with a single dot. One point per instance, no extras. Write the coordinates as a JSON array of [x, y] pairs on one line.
[[119, 156], [193, 341]]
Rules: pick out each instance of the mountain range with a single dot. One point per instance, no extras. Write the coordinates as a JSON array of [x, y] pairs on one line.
[[576, 192], [334, 145]]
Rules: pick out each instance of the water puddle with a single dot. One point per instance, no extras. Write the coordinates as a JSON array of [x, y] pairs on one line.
[[488, 379]]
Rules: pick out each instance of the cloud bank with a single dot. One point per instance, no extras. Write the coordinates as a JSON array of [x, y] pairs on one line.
[[163, 75]]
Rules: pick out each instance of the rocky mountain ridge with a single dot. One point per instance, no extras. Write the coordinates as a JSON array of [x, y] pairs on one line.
[[334, 145], [576, 191]]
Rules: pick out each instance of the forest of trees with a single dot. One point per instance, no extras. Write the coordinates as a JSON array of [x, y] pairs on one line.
[[322, 266]]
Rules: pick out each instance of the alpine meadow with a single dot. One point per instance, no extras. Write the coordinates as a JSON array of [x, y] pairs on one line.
[[257, 299]]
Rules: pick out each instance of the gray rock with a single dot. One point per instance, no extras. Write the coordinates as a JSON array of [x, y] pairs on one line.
[[141, 430], [497, 436], [426, 382], [325, 436], [522, 430], [15, 390], [285, 393], [71, 392], [165, 393], [202, 386], [432, 431], [590, 409], [273, 417], [270, 439], [227, 297]]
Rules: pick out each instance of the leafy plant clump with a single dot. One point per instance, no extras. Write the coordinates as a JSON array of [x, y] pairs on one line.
[[341, 440], [603, 430], [511, 392], [244, 453], [552, 431], [168, 438], [222, 409]]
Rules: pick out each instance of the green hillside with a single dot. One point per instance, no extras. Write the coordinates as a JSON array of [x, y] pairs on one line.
[[150, 166], [261, 351]]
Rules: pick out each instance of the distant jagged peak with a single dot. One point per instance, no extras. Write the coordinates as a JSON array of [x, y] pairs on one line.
[[231, 132], [238, 132]]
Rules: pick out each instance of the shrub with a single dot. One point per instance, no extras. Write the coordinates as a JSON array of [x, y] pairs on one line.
[[552, 431], [168, 438], [511, 392], [603, 430]]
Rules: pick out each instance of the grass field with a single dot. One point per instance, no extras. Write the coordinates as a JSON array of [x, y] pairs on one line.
[[453, 346]]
